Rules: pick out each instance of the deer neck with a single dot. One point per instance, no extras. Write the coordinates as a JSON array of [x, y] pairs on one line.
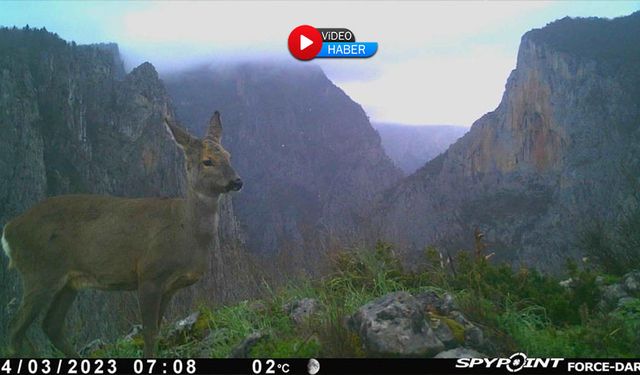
[[202, 218]]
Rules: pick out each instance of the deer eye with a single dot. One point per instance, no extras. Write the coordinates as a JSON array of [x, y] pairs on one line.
[[208, 162]]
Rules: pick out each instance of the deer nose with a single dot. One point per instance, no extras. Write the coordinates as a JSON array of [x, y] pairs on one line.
[[235, 185]]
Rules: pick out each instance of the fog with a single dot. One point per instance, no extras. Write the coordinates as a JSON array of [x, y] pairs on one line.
[[437, 63]]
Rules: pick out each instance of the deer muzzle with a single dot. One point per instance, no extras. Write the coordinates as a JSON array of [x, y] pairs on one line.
[[235, 185]]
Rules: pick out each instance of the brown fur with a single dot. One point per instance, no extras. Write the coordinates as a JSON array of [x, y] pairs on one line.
[[153, 245]]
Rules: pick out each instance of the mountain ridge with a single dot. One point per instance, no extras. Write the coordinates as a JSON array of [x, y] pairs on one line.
[[524, 172]]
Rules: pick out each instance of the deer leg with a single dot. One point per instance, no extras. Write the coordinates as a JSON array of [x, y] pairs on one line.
[[149, 298], [33, 302], [53, 323], [164, 302]]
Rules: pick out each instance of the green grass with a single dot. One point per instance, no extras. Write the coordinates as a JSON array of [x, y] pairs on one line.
[[519, 310]]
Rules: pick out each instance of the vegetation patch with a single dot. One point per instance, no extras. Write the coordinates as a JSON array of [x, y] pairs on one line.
[[519, 310]]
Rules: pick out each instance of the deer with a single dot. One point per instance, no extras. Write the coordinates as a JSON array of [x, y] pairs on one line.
[[154, 246]]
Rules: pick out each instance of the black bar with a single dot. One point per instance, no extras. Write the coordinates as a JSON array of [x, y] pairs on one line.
[[327, 366], [337, 35]]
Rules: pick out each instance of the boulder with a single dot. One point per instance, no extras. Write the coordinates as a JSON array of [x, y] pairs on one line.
[[394, 324], [460, 353], [431, 301], [443, 333]]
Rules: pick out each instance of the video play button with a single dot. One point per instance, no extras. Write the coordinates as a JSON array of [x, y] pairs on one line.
[[305, 42]]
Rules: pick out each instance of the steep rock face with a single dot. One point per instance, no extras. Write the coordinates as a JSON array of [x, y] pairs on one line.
[[556, 153], [310, 159], [410, 147], [72, 121]]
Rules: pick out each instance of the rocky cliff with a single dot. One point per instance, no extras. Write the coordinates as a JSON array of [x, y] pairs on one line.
[[560, 151], [72, 121], [410, 147], [308, 154]]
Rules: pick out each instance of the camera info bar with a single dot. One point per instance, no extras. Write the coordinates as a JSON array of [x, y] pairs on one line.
[[515, 364]]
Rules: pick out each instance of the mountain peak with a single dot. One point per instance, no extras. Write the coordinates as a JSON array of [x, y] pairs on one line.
[[592, 37], [145, 70]]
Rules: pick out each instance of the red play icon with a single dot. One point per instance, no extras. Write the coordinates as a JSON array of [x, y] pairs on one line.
[[305, 42]]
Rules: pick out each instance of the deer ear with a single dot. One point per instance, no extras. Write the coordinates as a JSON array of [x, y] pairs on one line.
[[180, 135], [214, 131]]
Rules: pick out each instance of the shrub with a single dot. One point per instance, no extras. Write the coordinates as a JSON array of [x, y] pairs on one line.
[[615, 248]]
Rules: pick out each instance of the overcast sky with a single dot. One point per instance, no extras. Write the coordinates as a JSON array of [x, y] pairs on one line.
[[437, 62]]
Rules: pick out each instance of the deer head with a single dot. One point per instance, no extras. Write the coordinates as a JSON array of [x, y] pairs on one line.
[[208, 165]]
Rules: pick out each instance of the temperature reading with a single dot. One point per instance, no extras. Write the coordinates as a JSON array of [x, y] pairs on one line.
[[270, 367]]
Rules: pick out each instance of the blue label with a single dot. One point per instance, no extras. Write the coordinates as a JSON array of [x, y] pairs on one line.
[[354, 49]]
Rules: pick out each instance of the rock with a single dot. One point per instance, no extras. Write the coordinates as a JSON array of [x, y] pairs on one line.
[[612, 293], [568, 283], [443, 333], [187, 323], [243, 350], [394, 325], [135, 331], [460, 353], [448, 303], [91, 347], [301, 310], [431, 301], [459, 318], [632, 282], [474, 337], [622, 302], [183, 328]]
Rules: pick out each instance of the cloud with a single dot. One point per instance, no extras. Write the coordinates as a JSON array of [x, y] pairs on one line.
[[438, 62], [350, 70], [450, 89]]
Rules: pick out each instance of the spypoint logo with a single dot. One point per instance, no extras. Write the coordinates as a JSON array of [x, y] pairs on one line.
[[515, 363]]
